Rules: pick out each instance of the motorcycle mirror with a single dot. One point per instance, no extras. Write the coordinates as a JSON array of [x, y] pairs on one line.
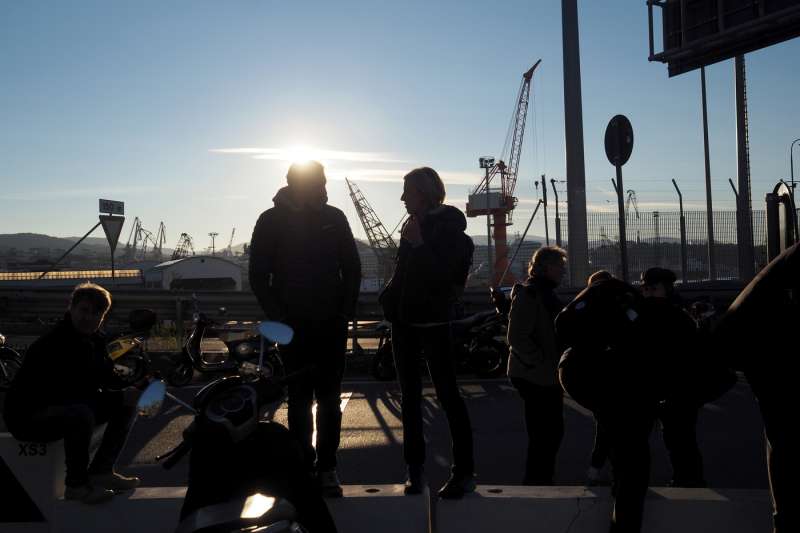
[[152, 398], [276, 332]]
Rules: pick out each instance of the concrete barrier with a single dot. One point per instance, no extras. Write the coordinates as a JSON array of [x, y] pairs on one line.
[[383, 508], [588, 510], [364, 508], [32, 478]]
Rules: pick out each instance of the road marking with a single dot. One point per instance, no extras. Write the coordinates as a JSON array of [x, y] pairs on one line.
[[345, 398]]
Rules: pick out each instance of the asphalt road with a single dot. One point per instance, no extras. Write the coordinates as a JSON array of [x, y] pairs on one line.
[[730, 435]]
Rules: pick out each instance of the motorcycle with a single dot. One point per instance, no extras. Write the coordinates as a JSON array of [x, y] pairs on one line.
[[245, 473], [128, 350], [479, 342], [237, 356], [10, 363]]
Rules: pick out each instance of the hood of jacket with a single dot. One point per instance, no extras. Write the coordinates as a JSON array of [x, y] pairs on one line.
[[447, 218], [284, 199]]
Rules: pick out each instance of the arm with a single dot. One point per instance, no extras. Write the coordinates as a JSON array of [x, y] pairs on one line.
[[261, 268], [521, 321], [351, 270]]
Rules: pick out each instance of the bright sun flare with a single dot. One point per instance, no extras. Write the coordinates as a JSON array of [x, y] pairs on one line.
[[301, 154]]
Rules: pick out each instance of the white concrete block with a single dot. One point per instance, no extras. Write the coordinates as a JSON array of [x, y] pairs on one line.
[[588, 510], [383, 508]]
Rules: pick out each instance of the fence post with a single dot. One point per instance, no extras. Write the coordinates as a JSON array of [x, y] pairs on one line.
[[657, 238], [684, 260], [179, 320], [558, 218]]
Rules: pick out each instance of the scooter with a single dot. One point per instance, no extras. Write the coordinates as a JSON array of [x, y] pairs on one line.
[[128, 350], [245, 473], [479, 342], [245, 353], [10, 363]]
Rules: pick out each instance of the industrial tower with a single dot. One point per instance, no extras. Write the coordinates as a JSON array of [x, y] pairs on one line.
[[499, 204], [380, 241]]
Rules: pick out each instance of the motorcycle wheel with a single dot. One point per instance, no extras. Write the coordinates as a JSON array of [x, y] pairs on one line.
[[487, 360], [10, 363], [181, 374], [382, 366], [130, 368]]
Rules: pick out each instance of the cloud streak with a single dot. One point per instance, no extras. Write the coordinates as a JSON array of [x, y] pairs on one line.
[[294, 153]]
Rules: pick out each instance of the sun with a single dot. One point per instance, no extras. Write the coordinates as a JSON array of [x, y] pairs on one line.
[[301, 154]]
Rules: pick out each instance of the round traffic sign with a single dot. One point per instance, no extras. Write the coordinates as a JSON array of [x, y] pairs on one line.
[[619, 140]]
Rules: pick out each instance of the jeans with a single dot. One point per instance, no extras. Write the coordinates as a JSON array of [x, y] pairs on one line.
[[323, 345], [679, 427], [408, 344], [544, 422], [600, 448], [627, 428], [75, 423]]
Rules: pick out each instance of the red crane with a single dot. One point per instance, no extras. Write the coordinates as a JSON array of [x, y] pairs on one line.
[[499, 204]]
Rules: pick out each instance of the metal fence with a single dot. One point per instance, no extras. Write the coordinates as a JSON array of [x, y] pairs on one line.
[[654, 239]]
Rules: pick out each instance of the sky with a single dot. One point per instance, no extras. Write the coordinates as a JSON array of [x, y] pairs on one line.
[[190, 111]]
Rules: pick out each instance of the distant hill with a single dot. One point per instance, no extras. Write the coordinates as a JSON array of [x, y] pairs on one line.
[[25, 241]]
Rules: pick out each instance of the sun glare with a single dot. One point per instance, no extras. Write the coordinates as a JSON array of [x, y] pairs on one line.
[[301, 154]]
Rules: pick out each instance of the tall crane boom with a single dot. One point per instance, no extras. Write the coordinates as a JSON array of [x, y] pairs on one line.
[[380, 241], [499, 205], [508, 171]]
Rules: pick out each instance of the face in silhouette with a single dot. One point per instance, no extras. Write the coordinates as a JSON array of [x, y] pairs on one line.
[[654, 290], [554, 271], [309, 191], [415, 201], [85, 316]]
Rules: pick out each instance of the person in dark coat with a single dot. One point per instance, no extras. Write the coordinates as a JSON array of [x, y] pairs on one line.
[[305, 271], [534, 352], [677, 336], [430, 272], [599, 455], [65, 389], [607, 370], [758, 335]]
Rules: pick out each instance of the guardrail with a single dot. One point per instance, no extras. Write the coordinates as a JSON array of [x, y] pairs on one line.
[[29, 310]]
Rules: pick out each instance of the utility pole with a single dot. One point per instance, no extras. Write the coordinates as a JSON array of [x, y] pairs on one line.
[[744, 226], [712, 262], [213, 236], [573, 129]]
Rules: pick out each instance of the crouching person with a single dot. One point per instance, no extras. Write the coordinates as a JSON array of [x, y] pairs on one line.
[[64, 389]]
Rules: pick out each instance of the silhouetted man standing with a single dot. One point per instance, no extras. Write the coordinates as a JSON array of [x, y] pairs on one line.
[[305, 271]]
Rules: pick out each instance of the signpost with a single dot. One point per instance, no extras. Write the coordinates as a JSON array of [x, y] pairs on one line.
[[619, 146], [112, 225]]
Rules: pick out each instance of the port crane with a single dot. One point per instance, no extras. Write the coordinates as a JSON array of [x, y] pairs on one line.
[[184, 248], [498, 204], [380, 241]]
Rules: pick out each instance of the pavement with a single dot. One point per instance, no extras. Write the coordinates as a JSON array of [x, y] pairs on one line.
[[730, 435]]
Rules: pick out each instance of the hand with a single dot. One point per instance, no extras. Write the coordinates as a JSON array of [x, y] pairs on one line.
[[412, 232]]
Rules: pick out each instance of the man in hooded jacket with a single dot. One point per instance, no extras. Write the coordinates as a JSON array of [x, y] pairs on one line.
[[305, 271]]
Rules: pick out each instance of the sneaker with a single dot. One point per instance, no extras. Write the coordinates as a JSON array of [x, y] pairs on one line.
[[458, 485], [88, 494], [415, 483], [592, 476], [114, 481], [329, 484]]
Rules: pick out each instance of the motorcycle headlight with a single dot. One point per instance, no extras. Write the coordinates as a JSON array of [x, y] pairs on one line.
[[245, 349]]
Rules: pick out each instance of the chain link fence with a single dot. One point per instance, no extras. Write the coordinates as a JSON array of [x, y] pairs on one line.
[[654, 239]]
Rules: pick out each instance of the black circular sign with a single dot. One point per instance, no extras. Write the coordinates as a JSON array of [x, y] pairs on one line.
[[619, 140]]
